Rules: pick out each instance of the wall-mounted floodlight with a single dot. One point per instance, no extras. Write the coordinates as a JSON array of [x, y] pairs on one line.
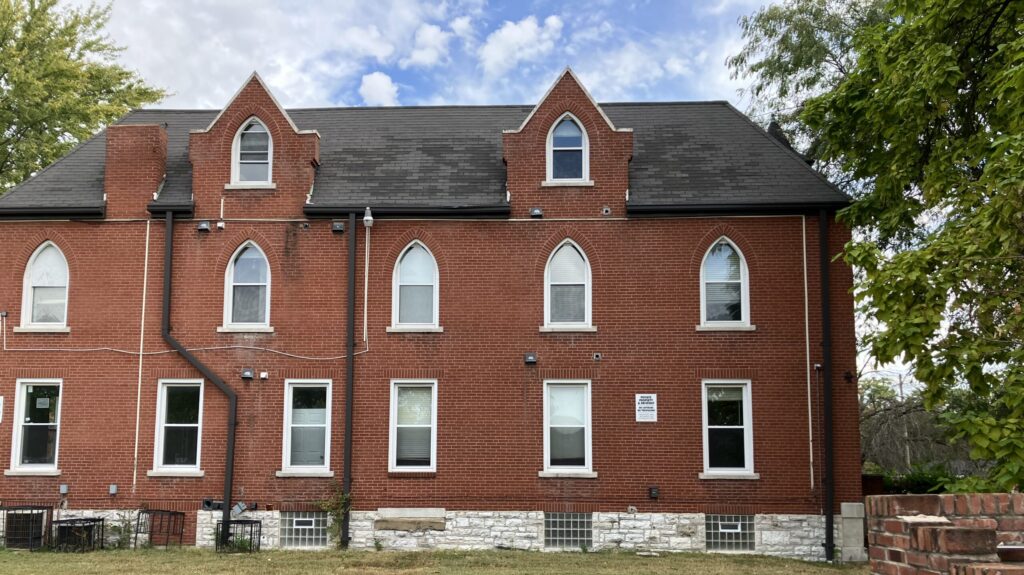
[[203, 226], [536, 212], [247, 373]]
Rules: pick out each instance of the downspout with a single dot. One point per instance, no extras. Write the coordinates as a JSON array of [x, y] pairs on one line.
[[165, 331], [826, 349], [346, 482]]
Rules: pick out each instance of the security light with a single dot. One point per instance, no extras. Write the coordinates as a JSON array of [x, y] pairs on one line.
[[338, 227], [367, 218], [530, 358], [247, 373], [203, 226], [536, 212]]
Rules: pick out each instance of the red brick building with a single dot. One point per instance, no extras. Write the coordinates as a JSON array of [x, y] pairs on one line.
[[569, 324]]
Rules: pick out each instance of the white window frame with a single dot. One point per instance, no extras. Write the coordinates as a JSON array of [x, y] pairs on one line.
[[587, 468], [17, 468], [236, 146], [396, 294], [286, 466], [586, 325], [159, 469], [27, 294], [585, 178], [229, 294], [744, 289], [393, 426], [748, 428]]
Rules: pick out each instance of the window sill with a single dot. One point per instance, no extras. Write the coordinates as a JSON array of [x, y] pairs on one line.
[[740, 476], [244, 329], [713, 327], [32, 472], [176, 473], [413, 329], [285, 473], [41, 329], [567, 184], [567, 474], [251, 186], [568, 329]]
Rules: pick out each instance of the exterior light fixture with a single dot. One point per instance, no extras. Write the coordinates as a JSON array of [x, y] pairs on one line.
[[338, 227], [367, 218], [536, 212], [203, 225], [113, 489], [247, 373], [530, 358]]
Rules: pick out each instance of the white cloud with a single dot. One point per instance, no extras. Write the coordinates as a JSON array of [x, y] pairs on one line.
[[377, 89], [463, 28], [431, 47], [516, 42]]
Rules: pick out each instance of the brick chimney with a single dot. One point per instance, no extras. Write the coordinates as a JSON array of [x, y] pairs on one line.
[[135, 166]]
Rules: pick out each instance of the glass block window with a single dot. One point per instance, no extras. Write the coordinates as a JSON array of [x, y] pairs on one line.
[[568, 530], [729, 532], [303, 529]]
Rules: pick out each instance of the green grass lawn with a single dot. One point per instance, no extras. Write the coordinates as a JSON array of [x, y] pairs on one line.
[[194, 561]]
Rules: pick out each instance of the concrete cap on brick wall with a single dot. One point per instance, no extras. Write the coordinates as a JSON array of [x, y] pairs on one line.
[[954, 540]]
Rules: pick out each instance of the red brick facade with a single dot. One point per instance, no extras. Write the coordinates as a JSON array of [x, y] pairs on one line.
[[646, 304]]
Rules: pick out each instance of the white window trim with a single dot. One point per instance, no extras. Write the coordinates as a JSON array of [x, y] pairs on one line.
[[19, 406], [586, 471], [747, 471], [229, 296], [550, 326], [236, 182], [398, 327], [744, 323], [287, 469], [585, 179], [27, 325], [393, 426], [159, 469]]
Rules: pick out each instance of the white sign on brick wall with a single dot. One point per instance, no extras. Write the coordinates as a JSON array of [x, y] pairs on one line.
[[646, 407]]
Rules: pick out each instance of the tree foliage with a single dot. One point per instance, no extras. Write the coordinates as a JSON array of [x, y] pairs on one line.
[[58, 83]]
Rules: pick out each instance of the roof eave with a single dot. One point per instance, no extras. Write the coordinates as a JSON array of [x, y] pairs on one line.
[[496, 211], [53, 213], [159, 211], [782, 208]]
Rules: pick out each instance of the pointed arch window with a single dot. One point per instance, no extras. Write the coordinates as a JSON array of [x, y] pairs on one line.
[[252, 154], [724, 286], [45, 290], [247, 290], [568, 151], [567, 288], [414, 289]]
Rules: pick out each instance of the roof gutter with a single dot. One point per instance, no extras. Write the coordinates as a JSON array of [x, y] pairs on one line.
[[165, 331], [61, 213], [783, 208], [158, 211], [497, 211]]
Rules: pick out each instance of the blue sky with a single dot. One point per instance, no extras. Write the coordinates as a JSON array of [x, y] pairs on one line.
[[410, 52]]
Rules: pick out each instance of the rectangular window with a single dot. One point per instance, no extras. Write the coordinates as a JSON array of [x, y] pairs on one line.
[[36, 425], [568, 530], [413, 444], [307, 425], [729, 532], [303, 529], [567, 425], [728, 444], [179, 425]]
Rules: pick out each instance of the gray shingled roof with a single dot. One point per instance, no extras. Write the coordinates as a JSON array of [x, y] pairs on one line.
[[693, 154]]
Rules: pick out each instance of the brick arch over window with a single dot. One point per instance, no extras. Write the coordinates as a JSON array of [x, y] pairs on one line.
[[713, 235], [555, 239], [250, 234]]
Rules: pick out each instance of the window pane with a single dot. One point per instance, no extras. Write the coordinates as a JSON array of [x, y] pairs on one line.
[[253, 157], [725, 448], [180, 445], [568, 266], [309, 405], [567, 164], [308, 445], [253, 172], [38, 444], [249, 304], [722, 264], [568, 304], [568, 446], [416, 304], [414, 405], [49, 269], [417, 267], [48, 304], [567, 405], [723, 302], [41, 403], [250, 267], [413, 446], [182, 404], [725, 406], [255, 139], [567, 135]]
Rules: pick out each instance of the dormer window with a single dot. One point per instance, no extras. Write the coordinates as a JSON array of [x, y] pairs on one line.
[[252, 152], [568, 152]]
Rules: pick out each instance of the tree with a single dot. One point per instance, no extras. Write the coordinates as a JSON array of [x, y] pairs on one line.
[[929, 116], [58, 83]]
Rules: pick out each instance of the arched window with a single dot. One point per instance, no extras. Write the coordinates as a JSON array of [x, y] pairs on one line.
[[724, 289], [45, 292], [252, 152], [414, 289], [568, 151], [567, 287], [247, 293]]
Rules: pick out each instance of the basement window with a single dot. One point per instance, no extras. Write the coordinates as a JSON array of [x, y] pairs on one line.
[[568, 530], [303, 529], [729, 532]]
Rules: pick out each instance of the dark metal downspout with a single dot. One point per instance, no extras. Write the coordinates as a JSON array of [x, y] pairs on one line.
[[165, 331], [826, 349], [346, 482]]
